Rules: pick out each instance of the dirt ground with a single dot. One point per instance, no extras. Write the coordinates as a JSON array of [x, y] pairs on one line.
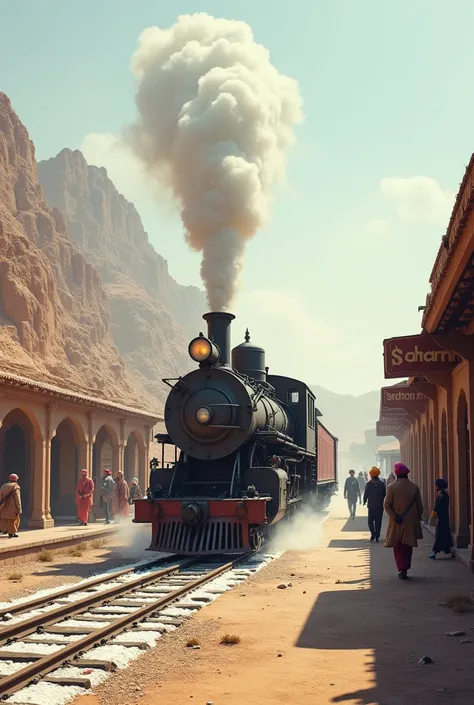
[[346, 631], [67, 565]]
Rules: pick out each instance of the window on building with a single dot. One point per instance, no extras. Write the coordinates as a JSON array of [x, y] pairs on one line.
[[294, 396]]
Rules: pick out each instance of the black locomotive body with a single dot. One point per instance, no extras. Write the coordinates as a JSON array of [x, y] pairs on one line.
[[247, 444]]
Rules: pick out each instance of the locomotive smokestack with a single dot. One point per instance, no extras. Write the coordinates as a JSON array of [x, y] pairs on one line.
[[218, 330]]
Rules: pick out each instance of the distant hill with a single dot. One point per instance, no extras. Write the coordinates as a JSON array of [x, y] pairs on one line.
[[347, 416]]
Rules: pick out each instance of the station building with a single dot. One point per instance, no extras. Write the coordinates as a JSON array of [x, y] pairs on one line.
[[48, 434], [387, 455], [431, 411]]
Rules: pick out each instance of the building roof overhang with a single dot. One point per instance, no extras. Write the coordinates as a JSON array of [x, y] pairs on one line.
[[17, 381], [450, 303]]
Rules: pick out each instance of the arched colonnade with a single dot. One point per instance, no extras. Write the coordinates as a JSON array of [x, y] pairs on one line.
[[46, 443]]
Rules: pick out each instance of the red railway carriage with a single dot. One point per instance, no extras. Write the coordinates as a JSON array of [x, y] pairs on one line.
[[250, 448], [326, 450]]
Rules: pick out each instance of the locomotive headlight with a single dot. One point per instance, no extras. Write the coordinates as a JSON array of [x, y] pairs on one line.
[[202, 350], [203, 415]]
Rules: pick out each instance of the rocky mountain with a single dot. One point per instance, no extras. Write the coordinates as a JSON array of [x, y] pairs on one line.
[[54, 314], [152, 315], [348, 416]]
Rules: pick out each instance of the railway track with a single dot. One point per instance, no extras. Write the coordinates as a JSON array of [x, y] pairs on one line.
[[130, 604]]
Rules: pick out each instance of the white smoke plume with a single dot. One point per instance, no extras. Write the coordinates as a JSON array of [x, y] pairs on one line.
[[215, 121]]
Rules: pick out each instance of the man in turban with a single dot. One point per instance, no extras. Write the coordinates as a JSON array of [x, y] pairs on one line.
[[10, 507], [374, 495], [404, 507]]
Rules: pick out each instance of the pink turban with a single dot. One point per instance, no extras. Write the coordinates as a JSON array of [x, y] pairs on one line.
[[13, 477], [400, 469]]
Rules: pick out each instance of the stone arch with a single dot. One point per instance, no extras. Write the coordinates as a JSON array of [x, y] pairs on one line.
[[20, 438], [68, 456], [463, 521], [105, 454], [134, 459]]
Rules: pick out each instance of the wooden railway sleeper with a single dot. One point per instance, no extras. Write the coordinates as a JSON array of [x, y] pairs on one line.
[[28, 626], [49, 662]]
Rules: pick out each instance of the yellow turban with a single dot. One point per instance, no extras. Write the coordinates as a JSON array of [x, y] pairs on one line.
[[374, 472]]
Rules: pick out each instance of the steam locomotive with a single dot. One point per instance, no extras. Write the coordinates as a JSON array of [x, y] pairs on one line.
[[251, 450]]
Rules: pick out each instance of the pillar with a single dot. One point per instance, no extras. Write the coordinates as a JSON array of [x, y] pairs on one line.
[[50, 433], [146, 457], [470, 416], [90, 443], [121, 446], [41, 469]]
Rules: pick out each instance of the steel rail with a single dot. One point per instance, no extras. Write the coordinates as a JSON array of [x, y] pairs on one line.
[[38, 669], [48, 599], [27, 626]]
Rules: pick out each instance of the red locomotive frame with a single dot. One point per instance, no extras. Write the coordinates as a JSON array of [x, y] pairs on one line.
[[232, 525]]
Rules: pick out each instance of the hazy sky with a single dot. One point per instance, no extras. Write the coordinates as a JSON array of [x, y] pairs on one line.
[[388, 98]]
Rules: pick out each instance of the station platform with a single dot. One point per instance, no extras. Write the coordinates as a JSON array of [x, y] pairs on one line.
[[31, 541]]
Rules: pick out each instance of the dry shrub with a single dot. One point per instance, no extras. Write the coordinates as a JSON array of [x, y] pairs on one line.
[[15, 577], [45, 556], [459, 603], [77, 551], [192, 642], [230, 639], [98, 543]]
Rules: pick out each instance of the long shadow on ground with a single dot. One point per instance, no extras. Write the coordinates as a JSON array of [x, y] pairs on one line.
[[396, 623]]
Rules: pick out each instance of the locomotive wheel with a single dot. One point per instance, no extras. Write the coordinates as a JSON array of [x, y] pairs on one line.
[[255, 538]]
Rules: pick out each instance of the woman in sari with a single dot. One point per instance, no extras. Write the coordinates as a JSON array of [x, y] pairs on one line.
[[84, 495], [443, 540], [121, 494]]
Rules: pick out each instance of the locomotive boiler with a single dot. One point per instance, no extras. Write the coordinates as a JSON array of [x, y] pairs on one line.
[[247, 443]]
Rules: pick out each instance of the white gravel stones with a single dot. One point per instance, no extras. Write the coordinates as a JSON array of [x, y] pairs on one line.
[[30, 648], [32, 613], [149, 637], [176, 612], [46, 694], [54, 637], [7, 667], [81, 623], [95, 675], [120, 655], [117, 609]]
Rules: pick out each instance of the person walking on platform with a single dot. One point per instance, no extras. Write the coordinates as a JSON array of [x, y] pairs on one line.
[[404, 507], [107, 488], [121, 494], [352, 493], [10, 507], [84, 497], [374, 495], [443, 538], [362, 482], [391, 478], [135, 492]]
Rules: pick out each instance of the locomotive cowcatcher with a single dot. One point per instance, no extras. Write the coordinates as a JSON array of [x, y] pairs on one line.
[[247, 444]]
